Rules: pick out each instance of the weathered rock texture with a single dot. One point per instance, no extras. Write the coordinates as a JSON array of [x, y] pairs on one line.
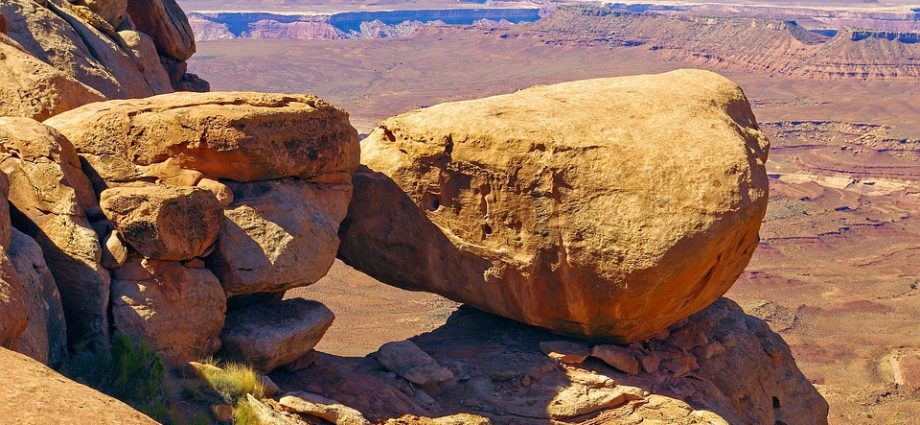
[[279, 235], [34, 89], [36, 395], [719, 366], [606, 208], [164, 222], [14, 312], [236, 136], [270, 335], [45, 336], [178, 310], [51, 197]]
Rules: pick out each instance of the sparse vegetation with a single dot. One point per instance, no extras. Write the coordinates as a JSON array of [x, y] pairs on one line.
[[244, 414], [230, 381], [130, 371]]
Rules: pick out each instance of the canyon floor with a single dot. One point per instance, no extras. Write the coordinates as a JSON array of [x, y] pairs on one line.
[[838, 268]]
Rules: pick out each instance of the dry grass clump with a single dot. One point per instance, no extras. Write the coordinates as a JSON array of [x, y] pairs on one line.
[[230, 381]]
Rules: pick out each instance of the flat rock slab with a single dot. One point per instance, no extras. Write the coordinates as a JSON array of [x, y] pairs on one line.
[[407, 360], [566, 351], [321, 407], [619, 358], [267, 336]]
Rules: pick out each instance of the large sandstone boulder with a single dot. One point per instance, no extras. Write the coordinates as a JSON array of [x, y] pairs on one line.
[[33, 394], [113, 12], [51, 197], [45, 336], [267, 336], [33, 89], [278, 235], [605, 208], [236, 136], [164, 222], [178, 310]]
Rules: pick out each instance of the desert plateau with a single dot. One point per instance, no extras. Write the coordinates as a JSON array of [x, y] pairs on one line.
[[452, 212]]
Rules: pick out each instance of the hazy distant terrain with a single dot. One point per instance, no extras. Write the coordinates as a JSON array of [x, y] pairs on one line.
[[837, 269]]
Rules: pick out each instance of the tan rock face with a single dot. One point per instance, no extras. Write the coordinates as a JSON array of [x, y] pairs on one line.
[[178, 310], [167, 24], [236, 136], [37, 395], [269, 336], [45, 336], [321, 407], [164, 222], [112, 11], [606, 208], [279, 235], [51, 196], [145, 54], [33, 89], [14, 313]]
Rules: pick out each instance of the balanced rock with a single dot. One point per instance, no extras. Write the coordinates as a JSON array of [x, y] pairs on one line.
[[279, 235], [37, 395], [33, 89], [236, 136], [268, 336], [51, 196], [179, 311], [605, 208], [45, 336], [164, 222], [167, 24]]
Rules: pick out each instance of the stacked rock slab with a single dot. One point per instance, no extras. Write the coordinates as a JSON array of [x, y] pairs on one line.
[[206, 196], [51, 197], [596, 208]]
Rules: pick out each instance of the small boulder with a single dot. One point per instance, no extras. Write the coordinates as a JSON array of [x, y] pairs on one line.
[[164, 222], [566, 351], [409, 361], [179, 311], [619, 358], [267, 336], [278, 235], [315, 405]]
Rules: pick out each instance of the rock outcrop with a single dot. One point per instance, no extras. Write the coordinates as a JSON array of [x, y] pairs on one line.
[[237, 136], [179, 310], [45, 336], [36, 395], [274, 334], [51, 197], [719, 366], [34, 89], [591, 208], [14, 312]]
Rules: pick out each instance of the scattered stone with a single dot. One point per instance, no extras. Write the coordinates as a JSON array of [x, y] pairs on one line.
[[619, 358], [411, 363], [269, 336], [177, 310], [164, 222], [477, 184], [269, 387], [565, 351], [265, 415], [222, 412], [114, 251], [321, 407], [222, 192]]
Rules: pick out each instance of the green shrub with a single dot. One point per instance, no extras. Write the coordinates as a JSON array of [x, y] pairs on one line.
[[244, 414], [130, 371]]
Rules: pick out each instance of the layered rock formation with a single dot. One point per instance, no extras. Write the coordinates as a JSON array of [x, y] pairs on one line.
[[202, 197], [591, 208]]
